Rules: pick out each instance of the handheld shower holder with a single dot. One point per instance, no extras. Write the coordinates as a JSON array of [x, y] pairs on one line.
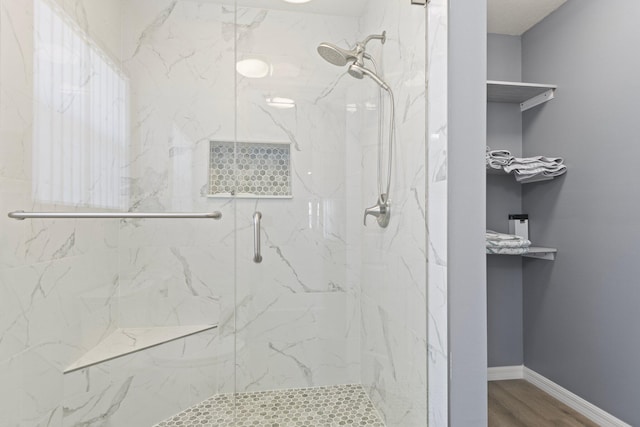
[[381, 211], [360, 48]]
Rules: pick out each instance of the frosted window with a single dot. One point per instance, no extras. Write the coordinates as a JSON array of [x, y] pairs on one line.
[[80, 125]]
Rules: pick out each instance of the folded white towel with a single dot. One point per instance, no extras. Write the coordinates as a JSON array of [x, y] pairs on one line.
[[493, 164], [535, 159], [525, 169], [538, 174], [497, 159], [501, 240], [528, 166], [508, 251]]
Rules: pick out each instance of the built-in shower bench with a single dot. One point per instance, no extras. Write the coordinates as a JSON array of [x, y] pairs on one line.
[[124, 341]]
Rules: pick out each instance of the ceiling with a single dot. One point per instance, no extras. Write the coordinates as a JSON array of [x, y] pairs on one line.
[[515, 17]]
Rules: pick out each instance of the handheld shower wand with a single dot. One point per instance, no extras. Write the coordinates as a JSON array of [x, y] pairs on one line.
[[341, 57], [358, 71]]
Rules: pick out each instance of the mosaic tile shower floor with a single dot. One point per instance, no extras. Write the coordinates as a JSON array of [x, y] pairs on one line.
[[344, 405]]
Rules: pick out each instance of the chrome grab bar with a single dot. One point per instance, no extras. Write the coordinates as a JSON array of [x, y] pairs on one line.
[[257, 257], [21, 215]]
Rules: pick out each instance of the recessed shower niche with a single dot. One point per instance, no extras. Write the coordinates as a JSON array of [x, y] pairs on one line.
[[250, 169]]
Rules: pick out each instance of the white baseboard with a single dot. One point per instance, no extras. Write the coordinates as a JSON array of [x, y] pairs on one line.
[[502, 373], [575, 402]]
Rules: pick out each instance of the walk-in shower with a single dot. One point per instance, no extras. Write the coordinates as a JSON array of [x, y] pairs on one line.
[[181, 250], [357, 55]]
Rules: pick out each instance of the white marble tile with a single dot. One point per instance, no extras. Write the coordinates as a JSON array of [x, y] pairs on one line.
[[53, 313], [394, 261], [437, 141], [13, 196], [145, 387], [37, 386], [10, 383], [16, 98], [164, 286]]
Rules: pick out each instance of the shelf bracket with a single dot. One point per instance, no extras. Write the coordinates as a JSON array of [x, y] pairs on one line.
[[549, 256], [537, 100]]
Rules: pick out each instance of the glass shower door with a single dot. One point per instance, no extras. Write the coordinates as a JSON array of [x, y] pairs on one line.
[[297, 315], [331, 323]]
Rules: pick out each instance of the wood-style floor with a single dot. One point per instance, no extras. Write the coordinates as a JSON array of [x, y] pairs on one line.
[[519, 404]]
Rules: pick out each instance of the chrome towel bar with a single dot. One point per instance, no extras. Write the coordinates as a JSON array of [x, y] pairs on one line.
[[20, 215]]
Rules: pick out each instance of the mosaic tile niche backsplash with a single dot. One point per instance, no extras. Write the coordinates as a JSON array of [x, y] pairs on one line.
[[249, 169]]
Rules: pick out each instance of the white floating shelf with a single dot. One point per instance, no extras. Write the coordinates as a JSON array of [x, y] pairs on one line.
[[528, 95], [542, 253], [492, 171], [122, 342], [539, 178], [537, 252]]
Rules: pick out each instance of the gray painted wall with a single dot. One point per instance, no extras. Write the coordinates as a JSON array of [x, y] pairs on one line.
[[581, 312], [504, 196], [467, 199]]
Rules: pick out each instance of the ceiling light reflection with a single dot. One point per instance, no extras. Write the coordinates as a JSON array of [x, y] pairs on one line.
[[253, 68], [282, 103]]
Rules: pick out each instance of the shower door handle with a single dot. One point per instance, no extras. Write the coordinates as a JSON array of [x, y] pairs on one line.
[[257, 256]]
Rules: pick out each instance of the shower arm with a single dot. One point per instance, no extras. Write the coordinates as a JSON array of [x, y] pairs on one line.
[[382, 37]]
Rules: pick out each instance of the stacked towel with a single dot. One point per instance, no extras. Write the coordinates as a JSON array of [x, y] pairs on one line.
[[506, 244], [531, 169], [527, 169], [498, 159]]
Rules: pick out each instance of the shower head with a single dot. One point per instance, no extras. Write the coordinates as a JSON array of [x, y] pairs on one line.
[[359, 72], [341, 57], [336, 55]]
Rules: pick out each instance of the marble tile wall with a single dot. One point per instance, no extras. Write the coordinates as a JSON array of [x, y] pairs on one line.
[[394, 260], [437, 143]]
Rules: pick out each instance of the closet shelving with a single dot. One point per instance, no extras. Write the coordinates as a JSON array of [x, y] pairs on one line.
[[548, 254], [528, 95], [528, 181]]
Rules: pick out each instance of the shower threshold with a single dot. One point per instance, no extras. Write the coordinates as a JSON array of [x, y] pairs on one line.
[[342, 405]]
